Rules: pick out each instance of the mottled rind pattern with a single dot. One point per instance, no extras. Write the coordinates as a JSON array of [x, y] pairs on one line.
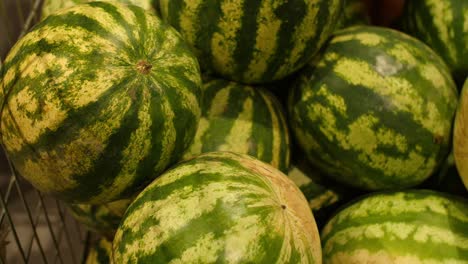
[[376, 110], [460, 136], [253, 41], [101, 253], [443, 25], [220, 207], [100, 98], [243, 119], [415, 226]]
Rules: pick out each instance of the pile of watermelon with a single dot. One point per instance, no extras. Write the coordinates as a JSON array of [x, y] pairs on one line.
[[235, 131]]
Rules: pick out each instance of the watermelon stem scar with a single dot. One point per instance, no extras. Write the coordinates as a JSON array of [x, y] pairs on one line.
[[144, 67]]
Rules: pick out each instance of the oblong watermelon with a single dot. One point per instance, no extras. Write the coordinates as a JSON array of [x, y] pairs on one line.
[[460, 136], [414, 226], [242, 119], [253, 41], [103, 219], [51, 6], [220, 207], [376, 110], [99, 99], [443, 25]]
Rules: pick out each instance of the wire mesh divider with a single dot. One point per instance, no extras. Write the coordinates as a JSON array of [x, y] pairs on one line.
[[34, 228]]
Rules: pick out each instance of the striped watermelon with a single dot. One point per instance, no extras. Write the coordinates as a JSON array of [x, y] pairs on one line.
[[443, 25], [355, 12], [103, 219], [51, 6], [376, 111], [324, 196], [100, 253], [411, 227], [460, 136], [243, 119], [253, 41], [220, 207], [99, 99]]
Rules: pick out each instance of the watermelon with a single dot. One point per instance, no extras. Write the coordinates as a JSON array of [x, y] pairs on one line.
[[253, 41], [443, 25], [460, 136], [324, 195], [51, 6], [446, 179], [243, 119], [103, 219], [98, 99], [376, 110], [100, 253], [221, 207], [355, 12], [414, 226]]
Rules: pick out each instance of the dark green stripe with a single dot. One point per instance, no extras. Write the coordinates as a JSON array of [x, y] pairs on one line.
[[284, 40], [73, 20], [209, 223], [262, 130], [329, 12], [145, 172], [175, 10], [245, 40], [284, 134], [109, 165], [185, 122], [145, 34], [209, 13], [135, 48], [197, 179], [216, 133]]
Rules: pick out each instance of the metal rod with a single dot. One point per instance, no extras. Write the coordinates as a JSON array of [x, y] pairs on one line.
[[30, 18], [36, 221], [49, 225], [67, 234], [26, 207], [7, 197], [12, 226], [60, 236]]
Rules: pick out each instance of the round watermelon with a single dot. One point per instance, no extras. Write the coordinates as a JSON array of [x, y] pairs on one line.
[[376, 110], [220, 207], [414, 226], [103, 219], [98, 99], [242, 119], [253, 41], [323, 194], [443, 25], [460, 136], [100, 253]]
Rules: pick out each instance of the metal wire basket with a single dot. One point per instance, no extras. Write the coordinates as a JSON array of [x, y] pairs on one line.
[[33, 228]]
